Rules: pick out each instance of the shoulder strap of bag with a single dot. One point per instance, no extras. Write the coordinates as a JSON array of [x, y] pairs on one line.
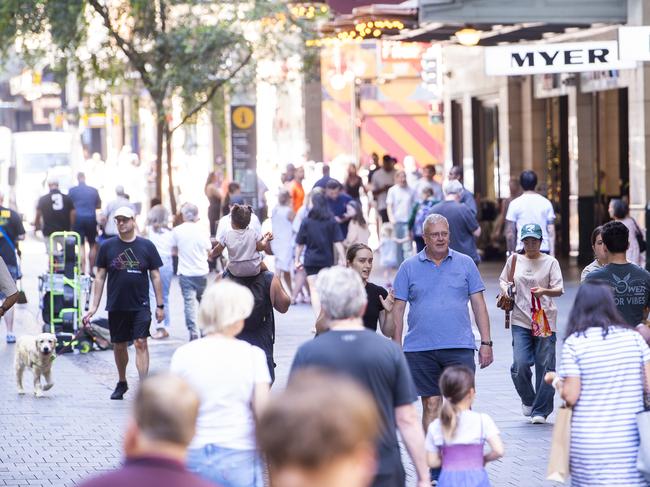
[[513, 266], [7, 238]]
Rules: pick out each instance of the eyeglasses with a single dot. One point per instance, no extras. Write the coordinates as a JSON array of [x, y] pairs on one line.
[[437, 235]]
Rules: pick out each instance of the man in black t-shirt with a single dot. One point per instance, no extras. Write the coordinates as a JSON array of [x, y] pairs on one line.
[[630, 283], [55, 209], [129, 261], [11, 232], [376, 363]]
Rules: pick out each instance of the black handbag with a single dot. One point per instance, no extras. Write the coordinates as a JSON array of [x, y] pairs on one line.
[[639, 238]]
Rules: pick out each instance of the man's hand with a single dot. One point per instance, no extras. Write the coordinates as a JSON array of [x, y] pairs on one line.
[[485, 356], [388, 302], [268, 236], [160, 315], [89, 315]]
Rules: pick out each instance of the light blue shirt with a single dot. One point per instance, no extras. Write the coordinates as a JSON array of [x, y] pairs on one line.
[[438, 316]]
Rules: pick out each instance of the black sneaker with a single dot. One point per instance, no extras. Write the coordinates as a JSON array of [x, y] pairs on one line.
[[119, 391]]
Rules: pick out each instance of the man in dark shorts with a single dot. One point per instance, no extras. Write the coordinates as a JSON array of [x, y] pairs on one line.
[[438, 283], [54, 212], [129, 261], [86, 201], [374, 362]]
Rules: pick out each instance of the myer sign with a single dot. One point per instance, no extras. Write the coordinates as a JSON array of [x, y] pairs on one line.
[[570, 57]]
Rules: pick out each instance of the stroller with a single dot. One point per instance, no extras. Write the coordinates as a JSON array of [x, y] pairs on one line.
[[65, 294]]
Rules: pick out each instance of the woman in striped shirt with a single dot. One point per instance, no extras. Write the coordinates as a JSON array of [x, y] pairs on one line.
[[603, 360]]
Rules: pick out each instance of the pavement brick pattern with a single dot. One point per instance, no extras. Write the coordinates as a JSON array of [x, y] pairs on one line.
[[75, 430]]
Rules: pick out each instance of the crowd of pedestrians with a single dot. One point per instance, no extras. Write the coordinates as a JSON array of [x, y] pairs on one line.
[[378, 347]]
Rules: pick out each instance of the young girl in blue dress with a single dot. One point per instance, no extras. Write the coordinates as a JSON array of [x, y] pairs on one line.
[[456, 439]]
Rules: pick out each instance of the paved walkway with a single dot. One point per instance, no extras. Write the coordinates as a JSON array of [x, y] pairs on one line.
[[76, 431]]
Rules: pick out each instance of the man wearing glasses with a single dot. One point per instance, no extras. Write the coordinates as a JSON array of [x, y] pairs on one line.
[[128, 261], [438, 283]]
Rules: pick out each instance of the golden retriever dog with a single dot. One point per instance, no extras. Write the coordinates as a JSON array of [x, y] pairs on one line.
[[37, 354]]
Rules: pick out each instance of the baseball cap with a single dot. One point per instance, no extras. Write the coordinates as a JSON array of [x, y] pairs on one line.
[[531, 230], [124, 211]]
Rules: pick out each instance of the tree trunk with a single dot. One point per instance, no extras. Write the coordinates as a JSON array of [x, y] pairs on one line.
[[160, 130], [170, 177]]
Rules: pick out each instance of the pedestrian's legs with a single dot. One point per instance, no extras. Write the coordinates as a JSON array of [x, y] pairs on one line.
[[189, 304], [299, 284], [82, 254], [9, 320], [141, 357], [166, 274], [523, 360], [401, 229], [200, 283], [315, 300], [430, 407], [121, 354], [93, 256], [544, 362]]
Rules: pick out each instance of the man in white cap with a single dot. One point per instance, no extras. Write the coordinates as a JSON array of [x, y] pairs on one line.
[[129, 261], [55, 210], [192, 245]]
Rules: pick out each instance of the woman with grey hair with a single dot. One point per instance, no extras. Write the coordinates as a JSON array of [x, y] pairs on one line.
[[158, 231], [232, 379]]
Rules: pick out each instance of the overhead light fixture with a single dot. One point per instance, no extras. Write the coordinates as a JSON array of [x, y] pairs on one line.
[[468, 36]]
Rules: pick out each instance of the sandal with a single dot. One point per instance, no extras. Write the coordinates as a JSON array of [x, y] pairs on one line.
[[160, 334]]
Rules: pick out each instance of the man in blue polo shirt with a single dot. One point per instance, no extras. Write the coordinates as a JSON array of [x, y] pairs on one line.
[[86, 201], [438, 283]]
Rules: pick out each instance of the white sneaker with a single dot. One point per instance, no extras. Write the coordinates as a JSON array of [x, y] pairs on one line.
[[538, 420], [526, 410]]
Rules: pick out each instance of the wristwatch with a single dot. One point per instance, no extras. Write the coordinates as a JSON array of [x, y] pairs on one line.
[[487, 344], [160, 306]]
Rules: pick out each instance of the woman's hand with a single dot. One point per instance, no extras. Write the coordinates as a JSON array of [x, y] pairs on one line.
[[388, 302], [538, 292]]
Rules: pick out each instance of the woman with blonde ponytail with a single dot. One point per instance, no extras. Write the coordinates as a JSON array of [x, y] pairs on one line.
[[455, 440]]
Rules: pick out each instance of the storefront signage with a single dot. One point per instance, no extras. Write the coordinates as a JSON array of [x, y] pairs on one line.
[[634, 43], [570, 57], [244, 150]]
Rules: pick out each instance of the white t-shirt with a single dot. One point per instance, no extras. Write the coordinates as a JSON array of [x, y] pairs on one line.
[[164, 242], [471, 425], [381, 179], [531, 208], [224, 226], [399, 202], [193, 246], [223, 372], [244, 258]]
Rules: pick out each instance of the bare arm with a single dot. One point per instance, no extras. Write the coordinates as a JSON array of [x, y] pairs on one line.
[[260, 398], [156, 282], [340, 252], [280, 300], [322, 323], [496, 449], [571, 390], [477, 232], [479, 308], [511, 235], [386, 320], [297, 254], [551, 237], [37, 220], [214, 253], [398, 319], [98, 289], [409, 426]]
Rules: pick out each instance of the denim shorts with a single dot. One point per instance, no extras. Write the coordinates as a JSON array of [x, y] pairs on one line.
[[226, 467], [427, 367]]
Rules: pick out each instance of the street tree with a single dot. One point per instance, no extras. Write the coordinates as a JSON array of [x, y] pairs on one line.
[[189, 49]]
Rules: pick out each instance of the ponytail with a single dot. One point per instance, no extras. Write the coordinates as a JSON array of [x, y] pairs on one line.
[[448, 419]]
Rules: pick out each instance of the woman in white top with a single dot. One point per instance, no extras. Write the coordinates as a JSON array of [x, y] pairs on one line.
[[537, 280], [159, 233], [604, 361], [358, 232], [619, 211], [282, 243], [600, 253], [232, 380]]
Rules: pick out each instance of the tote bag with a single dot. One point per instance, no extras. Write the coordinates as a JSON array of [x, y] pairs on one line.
[[558, 462]]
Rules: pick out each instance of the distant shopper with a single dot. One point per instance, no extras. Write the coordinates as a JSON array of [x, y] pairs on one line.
[[455, 441], [537, 280], [155, 442], [128, 261], [322, 182], [11, 233], [296, 190], [399, 203], [600, 253], [192, 247], [381, 181], [467, 198], [530, 207], [86, 202], [353, 183], [630, 283], [232, 379], [282, 218], [601, 376], [338, 202], [375, 363], [420, 212], [233, 196], [620, 212], [427, 181], [108, 214], [358, 231], [338, 447], [55, 211], [212, 191], [463, 226]]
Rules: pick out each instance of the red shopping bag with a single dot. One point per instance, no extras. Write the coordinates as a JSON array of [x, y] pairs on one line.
[[541, 328]]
